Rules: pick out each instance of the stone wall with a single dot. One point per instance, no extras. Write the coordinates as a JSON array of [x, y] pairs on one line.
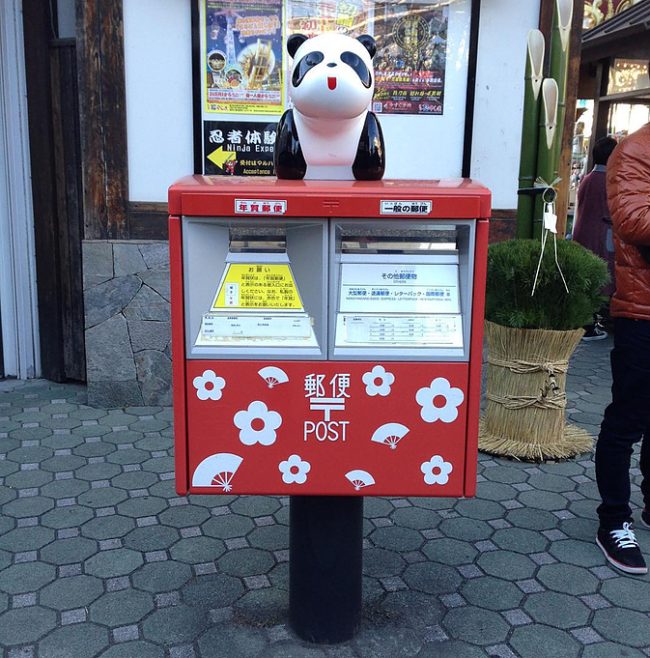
[[127, 318]]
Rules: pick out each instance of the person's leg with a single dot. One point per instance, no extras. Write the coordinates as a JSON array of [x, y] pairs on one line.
[[625, 421]]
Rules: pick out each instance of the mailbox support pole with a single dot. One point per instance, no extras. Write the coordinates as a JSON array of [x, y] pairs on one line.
[[325, 556]]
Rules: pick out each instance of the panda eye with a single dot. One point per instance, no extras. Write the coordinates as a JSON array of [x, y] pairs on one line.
[[356, 63], [304, 65]]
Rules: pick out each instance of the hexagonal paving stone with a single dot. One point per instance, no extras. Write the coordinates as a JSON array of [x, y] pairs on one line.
[[162, 576], [100, 471], [7, 494], [63, 441], [139, 648], [568, 579], [151, 538], [432, 578], [102, 497], [21, 508], [475, 625], [69, 551], [30, 455], [121, 437], [84, 640], [150, 425], [622, 626], [113, 563], [532, 519], [270, 537], [397, 539], [25, 625], [66, 517], [551, 482], [27, 577], [495, 491], [381, 563], [134, 480], [5, 559], [65, 488], [492, 593], [450, 551], [71, 592], [416, 518], [466, 529], [626, 592], [506, 564], [558, 610], [580, 553], [505, 474], [255, 505], [7, 467], [186, 516], [129, 456], [197, 549], [545, 500], [475, 508], [142, 506], [386, 641], [611, 650], [108, 527], [246, 562], [61, 463], [279, 576], [374, 507], [159, 465], [212, 591], [527, 640], [26, 539], [180, 624], [30, 433], [127, 606], [406, 607], [95, 449], [263, 607], [451, 649], [222, 641], [520, 540], [28, 479]]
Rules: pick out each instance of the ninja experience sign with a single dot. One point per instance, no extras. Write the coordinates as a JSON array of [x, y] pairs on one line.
[[238, 148]]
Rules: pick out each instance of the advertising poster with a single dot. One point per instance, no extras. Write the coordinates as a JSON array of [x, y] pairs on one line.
[[243, 56], [238, 148], [411, 58], [311, 17]]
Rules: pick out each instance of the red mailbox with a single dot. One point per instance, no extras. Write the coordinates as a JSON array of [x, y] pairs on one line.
[[327, 336]]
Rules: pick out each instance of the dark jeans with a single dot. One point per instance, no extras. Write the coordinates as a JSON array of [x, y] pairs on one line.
[[626, 421]]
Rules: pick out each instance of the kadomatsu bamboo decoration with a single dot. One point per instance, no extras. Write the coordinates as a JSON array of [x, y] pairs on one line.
[[559, 52], [529, 132], [548, 129]]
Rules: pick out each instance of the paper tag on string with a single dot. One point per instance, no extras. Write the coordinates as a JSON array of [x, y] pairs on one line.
[[550, 218]]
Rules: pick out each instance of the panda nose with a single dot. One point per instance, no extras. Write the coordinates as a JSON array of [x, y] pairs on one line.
[[332, 64]]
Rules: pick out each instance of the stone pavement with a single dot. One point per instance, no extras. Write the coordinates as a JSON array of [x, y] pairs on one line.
[[99, 557]]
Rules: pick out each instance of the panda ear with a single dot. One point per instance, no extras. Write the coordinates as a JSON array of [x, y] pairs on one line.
[[294, 42], [368, 43]]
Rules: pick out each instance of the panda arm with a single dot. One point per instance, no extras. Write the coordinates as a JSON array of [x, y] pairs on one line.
[[371, 157], [287, 157]]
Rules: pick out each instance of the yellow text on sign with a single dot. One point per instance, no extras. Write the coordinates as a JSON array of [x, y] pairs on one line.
[[258, 286]]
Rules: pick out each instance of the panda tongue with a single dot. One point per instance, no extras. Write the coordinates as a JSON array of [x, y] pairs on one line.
[[331, 83]]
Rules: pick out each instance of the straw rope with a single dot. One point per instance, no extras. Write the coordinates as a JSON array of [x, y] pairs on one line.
[[525, 395]]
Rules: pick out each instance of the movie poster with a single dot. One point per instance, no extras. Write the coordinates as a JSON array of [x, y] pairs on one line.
[[411, 58], [243, 56]]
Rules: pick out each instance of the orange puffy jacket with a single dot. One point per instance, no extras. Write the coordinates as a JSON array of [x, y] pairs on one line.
[[628, 198]]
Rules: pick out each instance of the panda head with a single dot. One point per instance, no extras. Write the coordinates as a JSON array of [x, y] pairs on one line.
[[332, 75]]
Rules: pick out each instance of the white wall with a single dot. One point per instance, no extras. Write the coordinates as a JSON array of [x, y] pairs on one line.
[[500, 95], [159, 101], [158, 63]]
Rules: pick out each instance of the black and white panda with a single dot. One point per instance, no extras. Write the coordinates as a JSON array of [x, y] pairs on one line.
[[330, 134]]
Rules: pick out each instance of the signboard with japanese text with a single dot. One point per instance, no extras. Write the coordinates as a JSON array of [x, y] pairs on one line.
[[239, 148], [344, 428]]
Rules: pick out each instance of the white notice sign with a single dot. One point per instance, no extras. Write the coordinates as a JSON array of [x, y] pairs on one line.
[[399, 288]]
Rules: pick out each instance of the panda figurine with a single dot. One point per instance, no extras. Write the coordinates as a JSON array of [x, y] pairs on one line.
[[329, 134]]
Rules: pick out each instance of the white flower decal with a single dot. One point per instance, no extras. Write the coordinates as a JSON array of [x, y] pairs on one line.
[[378, 381], [436, 470], [294, 470], [257, 424], [208, 386], [440, 390]]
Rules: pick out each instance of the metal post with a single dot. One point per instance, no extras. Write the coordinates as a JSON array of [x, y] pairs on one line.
[[325, 555]]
